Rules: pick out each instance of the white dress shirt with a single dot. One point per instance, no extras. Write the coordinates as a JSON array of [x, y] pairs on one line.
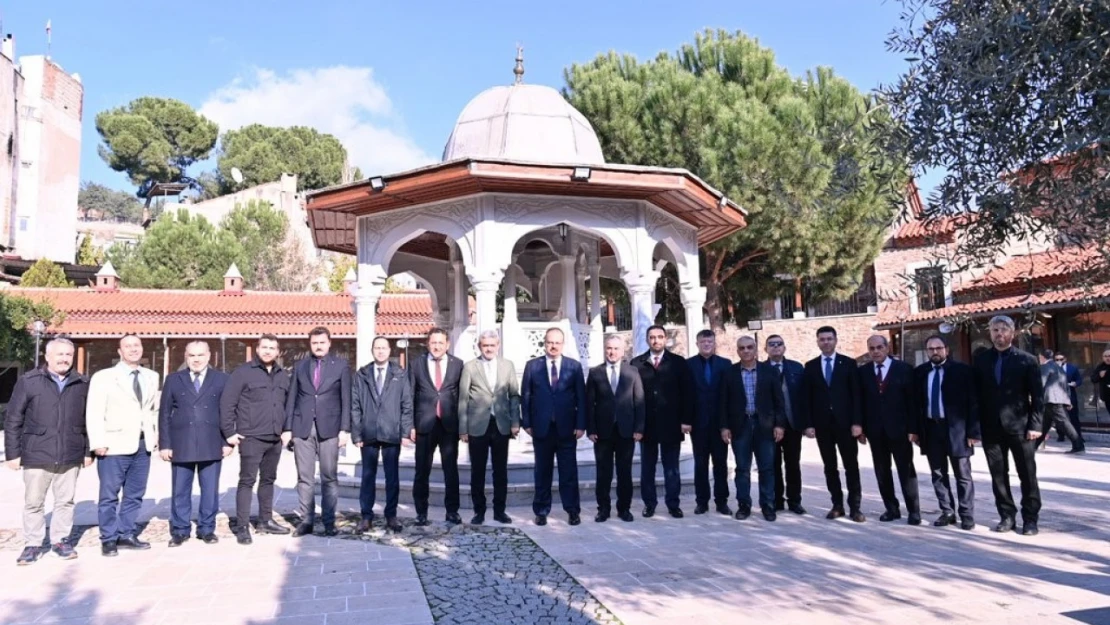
[[929, 391], [881, 373]]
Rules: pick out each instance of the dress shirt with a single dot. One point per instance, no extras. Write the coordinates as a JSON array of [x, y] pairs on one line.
[[193, 376], [558, 360], [432, 368], [60, 380], [613, 372], [749, 379], [489, 367], [881, 373], [938, 371]]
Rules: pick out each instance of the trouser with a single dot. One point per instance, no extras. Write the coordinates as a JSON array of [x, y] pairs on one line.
[[368, 487], [426, 444], [126, 475], [709, 447], [998, 451], [751, 439], [829, 442], [939, 458], [1057, 414], [788, 465], [258, 459], [548, 450], [62, 480], [620, 450], [492, 443], [883, 448], [306, 452], [672, 479], [1073, 416], [181, 496]]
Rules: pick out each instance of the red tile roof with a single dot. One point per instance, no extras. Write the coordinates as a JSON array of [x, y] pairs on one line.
[[174, 313], [1045, 269], [999, 305], [924, 231]]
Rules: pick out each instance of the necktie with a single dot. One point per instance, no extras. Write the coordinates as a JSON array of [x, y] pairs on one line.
[[708, 372], [998, 368], [196, 381], [613, 379], [137, 387], [379, 379], [785, 391], [316, 374], [554, 375], [828, 371], [439, 383], [879, 377], [934, 394], [656, 362]]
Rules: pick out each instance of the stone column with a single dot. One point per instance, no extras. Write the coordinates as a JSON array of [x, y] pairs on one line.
[[486, 280], [580, 295], [693, 299], [641, 290], [371, 284], [569, 303], [597, 330]]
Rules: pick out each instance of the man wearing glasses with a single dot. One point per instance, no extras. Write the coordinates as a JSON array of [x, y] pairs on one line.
[[1075, 380]]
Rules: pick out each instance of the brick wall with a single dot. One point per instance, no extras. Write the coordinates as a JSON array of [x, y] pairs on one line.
[[63, 90]]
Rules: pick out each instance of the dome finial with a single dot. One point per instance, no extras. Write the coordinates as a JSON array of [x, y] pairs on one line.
[[519, 69]]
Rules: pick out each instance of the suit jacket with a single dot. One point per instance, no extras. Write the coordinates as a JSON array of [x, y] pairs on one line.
[[477, 401], [1015, 406], [707, 394], [1102, 383], [625, 409], [189, 421], [1073, 375], [892, 409], [792, 374], [1055, 382], [733, 411], [114, 416], [425, 395], [960, 401], [555, 411], [329, 406], [667, 391], [835, 405], [384, 417]]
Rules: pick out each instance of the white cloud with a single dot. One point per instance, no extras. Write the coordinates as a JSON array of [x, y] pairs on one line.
[[344, 101]]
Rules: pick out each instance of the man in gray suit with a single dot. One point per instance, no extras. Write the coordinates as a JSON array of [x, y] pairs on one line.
[[1057, 400], [489, 415]]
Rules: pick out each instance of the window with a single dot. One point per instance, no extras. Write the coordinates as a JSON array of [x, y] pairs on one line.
[[930, 288]]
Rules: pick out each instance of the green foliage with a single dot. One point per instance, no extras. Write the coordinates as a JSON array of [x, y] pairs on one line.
[[342, 263], [154, 140], [112, 204], [44, 273], [88, 254], [809, 158], [263, 153], [17, 313]]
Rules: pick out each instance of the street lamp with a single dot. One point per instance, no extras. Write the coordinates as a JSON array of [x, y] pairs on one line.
[[38, 328], [404, 344]]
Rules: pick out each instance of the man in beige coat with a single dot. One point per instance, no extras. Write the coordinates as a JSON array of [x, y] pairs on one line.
[[489, 415], [122, 420]]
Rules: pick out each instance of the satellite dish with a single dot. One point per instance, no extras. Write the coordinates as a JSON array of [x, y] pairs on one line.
[[946, 328], [236, 175]]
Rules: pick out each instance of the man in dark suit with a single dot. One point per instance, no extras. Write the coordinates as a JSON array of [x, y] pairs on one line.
[[553, 408], [890, 415], [1011, 405], [1074, 380], [318, 420], [788, 451], [666, 379], [751, 419], [1057, 402], [707, 369], [435, 408], [381, 421], [949, 430], [830, 393], [189, 437], [615, 421]]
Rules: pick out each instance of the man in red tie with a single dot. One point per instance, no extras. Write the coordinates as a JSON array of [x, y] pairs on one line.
[[435, 402]]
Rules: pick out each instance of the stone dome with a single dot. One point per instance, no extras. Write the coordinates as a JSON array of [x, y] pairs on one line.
[[523, 123]]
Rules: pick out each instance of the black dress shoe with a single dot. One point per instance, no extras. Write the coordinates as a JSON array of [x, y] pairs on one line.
[[573, 518], [743, 512], [889, 515], [178, 540], [421, 520], [626, 516], [130, 542], [1005, 525], [393, 525], [601, 517], [780, 506], [769, 514], [501, 517], [329, 531], [208, 539], [1076, 450], [722, 508], [541, 519], [453, 518], [835, 513], [478, 519], [857, 516], [270, 526], [304, 529], [796, 508], [363, 526], [701, 508], [108, 549], [914, 519], [967, 524], [675, 512], [649, 511], [1029, 528], [944, 520], [243, 536]]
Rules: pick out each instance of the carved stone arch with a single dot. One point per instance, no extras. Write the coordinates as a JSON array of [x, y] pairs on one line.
[[382, 235]]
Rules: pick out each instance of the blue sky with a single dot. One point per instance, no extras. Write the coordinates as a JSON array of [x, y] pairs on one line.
[[389, 78]]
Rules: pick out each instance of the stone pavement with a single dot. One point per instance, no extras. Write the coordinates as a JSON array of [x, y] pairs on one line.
[[705, 569]]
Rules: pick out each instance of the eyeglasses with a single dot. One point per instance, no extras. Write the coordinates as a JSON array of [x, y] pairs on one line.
[[775, 343], [1059, 359]]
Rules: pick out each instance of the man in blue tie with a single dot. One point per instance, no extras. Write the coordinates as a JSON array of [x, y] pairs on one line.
[[707, 369]]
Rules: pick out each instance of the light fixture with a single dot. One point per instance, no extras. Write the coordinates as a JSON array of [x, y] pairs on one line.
[[722, 203], [946, 328], [377, 184], [563, 229], [581, 174]]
